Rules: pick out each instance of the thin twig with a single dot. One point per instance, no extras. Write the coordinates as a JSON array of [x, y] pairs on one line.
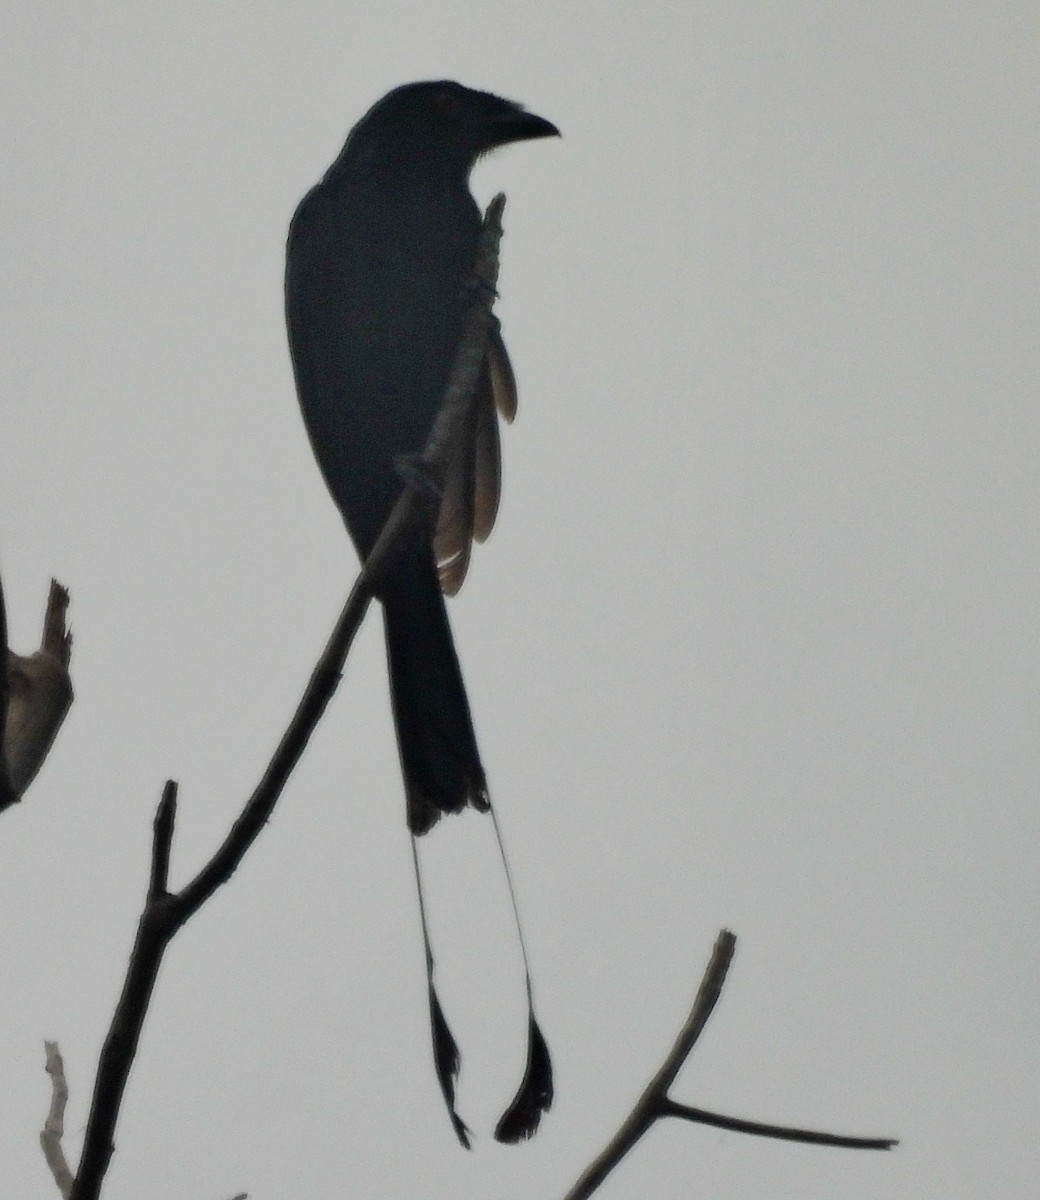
[[647, 1107], [54, 1126], [164, 913], [655, 1102], [784, 1132]]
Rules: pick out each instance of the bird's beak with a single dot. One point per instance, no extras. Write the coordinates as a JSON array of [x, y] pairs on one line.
[[518, 126]]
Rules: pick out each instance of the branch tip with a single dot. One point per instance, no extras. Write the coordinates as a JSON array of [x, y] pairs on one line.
[[162, 840]]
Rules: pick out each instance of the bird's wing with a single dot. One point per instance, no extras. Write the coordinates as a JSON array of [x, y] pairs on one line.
[[487, 469], [503, 381], [453, 536], [473, 483]]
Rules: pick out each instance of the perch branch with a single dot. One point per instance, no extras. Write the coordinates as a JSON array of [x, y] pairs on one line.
[[655, 1101], [164, 912]]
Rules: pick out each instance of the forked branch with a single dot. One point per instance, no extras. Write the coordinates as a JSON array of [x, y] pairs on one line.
[[655, 1102]]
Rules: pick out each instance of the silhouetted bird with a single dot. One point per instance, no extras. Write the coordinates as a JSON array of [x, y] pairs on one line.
[[378, 282]]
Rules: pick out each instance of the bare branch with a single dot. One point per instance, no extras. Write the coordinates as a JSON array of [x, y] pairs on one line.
[[784, 1132], [36, 695], [655, 1101], [648, 1106], [703, 1005], [164, 913], [54, 1127], [162, 841]]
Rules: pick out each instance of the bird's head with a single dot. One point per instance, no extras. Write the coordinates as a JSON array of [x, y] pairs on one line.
[[441, 122]]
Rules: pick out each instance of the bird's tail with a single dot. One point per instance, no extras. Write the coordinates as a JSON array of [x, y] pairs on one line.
[[442, 773], [438, 748]]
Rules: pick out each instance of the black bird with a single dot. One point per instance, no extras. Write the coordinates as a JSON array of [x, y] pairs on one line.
[[378, 282]]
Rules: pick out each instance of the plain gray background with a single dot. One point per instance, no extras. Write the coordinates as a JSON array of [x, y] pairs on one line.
[[754, 642]]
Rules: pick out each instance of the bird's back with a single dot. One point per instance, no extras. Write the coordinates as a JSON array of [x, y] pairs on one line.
[[375, 277]]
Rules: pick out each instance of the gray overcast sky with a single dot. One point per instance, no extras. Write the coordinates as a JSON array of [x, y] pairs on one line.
[[754, 642]]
